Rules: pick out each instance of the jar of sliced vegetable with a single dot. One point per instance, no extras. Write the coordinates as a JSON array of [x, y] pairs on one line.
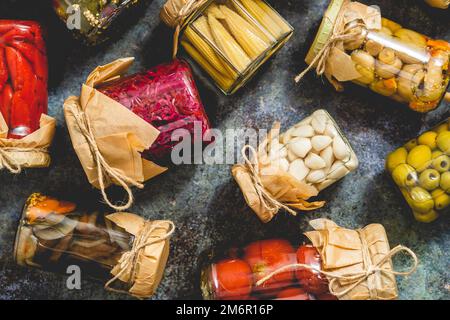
[[54, 235]]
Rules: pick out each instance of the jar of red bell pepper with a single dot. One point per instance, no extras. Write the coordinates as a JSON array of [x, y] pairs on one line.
[[167, 98], [23, 76], [234, 275]]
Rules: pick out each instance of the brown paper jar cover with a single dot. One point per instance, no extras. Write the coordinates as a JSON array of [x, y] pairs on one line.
[[30, 151], [116, 136], [55, 234]]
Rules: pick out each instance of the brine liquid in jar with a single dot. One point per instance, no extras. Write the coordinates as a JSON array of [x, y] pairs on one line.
[[54, 235]]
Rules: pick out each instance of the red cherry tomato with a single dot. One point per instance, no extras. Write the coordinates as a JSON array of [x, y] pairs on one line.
[[312, 281], [267, 256], [232, 279], [293, 294]]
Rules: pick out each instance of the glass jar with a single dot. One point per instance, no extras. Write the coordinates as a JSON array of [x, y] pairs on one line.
[[421, 169], [54, 234], [441, 4], [393, 61], [233, 275], [314, 151], [23, 76], [231, 39], [91, 18], [166, 97]]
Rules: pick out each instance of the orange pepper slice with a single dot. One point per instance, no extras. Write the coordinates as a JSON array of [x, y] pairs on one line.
[[48, 206], [390, 83], [439, 44], [420, 106]]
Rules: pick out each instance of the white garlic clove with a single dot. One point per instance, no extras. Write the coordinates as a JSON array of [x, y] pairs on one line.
[[284, 164], [327, 156], [319, 123], [291, 156], [315, 176], [353, 163], [304, 122], [303, 131], [285, 137], [340, 149], [314, 162], [337, 170], [325, 184], [298, 169], [300, 146], [320, 142], [331, 131]]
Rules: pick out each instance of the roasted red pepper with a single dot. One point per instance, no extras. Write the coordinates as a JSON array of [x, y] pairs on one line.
[[23, 76], [167, 98]]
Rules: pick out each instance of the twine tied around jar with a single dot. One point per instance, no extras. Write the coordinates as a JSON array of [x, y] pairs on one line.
[[352, 280], [175, 12], [270, 203], [341, 32], [104, 170], [130, 259], [12, 164]]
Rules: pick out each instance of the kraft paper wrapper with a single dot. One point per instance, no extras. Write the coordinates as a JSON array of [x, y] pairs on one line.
[[151, 262], [344, 251], [121, 135], [278, 183], [40, 140], [170, 12], [339, 64]]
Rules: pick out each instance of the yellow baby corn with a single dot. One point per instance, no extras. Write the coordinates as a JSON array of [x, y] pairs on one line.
[[222, 81], [243, 33], [205, 49], [263, 18], [215, 11], [275, 16], [230, 48], [264, 35], [202, 26]]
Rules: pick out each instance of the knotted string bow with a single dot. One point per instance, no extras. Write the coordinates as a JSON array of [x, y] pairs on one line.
[[104, 170], [130, 259], [352, 280]]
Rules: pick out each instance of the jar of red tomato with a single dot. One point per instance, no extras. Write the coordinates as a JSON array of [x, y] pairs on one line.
[[236, 275]]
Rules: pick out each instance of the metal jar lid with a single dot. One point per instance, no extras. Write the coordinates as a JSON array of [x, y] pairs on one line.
[[325, 29]]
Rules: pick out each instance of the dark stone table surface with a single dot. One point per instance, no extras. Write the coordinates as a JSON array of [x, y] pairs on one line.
[[204, 201]]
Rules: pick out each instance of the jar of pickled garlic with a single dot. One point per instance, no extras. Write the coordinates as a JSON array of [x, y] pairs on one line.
[[355, 43], [54, 235], [441, 4], [229, 39], [292, 167], [421, 169], [233, 275], [167, 98], [91, 18], [23, 76]]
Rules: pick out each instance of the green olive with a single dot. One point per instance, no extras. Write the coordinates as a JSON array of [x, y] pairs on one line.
[[441, 163], [429, 179]]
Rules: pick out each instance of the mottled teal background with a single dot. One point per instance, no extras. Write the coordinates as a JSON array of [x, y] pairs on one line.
[[204, 201]]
